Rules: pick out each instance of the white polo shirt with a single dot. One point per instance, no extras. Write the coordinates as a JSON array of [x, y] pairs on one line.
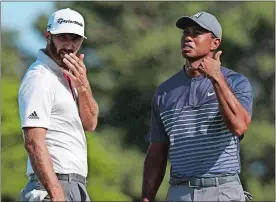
[[45, 100]]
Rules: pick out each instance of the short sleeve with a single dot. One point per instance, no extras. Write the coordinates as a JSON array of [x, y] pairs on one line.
[[35, 99], [156, 132], [243, 92]]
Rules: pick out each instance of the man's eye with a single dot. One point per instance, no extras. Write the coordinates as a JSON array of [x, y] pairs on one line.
[[198, 32], [185, 32], [62, 36], [77, 38]]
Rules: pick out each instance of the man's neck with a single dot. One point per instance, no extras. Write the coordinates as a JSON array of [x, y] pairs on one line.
[[49, 53], [191, 67]]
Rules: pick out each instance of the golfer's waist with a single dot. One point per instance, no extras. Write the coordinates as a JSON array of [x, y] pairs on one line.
[[206, 181], [70, 177]]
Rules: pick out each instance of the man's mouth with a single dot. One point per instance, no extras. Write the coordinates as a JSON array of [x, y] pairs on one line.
[[62, 53], [186, 46]]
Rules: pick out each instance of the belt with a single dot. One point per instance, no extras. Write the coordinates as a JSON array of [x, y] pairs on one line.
[[66, 177], [210, 182]]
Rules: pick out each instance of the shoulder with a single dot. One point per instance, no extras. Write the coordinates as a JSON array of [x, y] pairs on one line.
[[36, 76], [168, 88], [171, 83], [234, 78]]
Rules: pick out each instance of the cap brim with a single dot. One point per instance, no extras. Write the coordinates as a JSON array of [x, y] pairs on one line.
[[186, 20], [66, 32]]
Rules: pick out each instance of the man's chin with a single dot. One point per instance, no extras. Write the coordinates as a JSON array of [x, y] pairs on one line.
[[59, 58], [191, 57], [187, 56], [60, 62]]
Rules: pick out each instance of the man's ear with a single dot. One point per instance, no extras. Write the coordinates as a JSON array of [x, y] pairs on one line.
[[215, 44], [47, 36]]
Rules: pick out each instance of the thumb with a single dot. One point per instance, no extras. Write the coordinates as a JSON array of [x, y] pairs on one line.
[[217, 56], [81, 57]]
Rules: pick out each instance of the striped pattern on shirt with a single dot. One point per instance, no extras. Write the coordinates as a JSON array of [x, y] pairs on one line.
[[185, 115], [200, 143]]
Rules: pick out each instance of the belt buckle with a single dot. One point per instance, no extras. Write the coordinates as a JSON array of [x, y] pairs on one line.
[[192, 185]]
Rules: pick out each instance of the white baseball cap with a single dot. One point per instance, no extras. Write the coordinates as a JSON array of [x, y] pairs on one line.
[[66, 21]]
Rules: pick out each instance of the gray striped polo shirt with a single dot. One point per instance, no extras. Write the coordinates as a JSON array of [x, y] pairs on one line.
[[186, 115]]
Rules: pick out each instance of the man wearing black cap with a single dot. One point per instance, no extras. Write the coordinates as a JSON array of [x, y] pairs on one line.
[[198, 117]]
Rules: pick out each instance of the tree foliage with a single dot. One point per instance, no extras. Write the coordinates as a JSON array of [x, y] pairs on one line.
[[131, 48]]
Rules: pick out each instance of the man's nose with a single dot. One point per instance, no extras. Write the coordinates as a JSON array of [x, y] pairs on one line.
[[68, 45], [188, 38]]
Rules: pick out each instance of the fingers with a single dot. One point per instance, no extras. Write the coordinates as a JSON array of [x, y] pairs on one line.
[[81, 57], [202, 67], [71, 65], [217, 56], [78, 60], [75, 61]]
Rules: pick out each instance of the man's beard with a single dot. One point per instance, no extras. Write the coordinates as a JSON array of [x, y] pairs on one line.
[[58, 56]]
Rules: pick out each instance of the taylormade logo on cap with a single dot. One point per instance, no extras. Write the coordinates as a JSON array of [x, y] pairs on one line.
[[61, 20], [66, 21]]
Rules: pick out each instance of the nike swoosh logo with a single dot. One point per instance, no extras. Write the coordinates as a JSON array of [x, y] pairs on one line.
[[209, 94]]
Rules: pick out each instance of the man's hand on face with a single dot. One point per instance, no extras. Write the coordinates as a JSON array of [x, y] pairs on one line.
[[211, 67], [77, 71]]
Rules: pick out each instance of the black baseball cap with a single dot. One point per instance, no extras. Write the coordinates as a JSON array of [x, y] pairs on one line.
[[204, 20]]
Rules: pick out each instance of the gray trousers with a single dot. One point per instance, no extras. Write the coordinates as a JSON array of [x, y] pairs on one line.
[[74, 191], [230, 191]]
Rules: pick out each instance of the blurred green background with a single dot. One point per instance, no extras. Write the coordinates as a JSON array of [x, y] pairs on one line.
[[131, 48]]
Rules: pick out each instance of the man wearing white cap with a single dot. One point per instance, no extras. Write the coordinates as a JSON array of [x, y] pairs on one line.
[[56, 106]]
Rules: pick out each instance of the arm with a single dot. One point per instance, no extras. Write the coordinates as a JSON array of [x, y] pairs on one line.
[[235, 116], [41, 162], [156, 157], [88, 108], [87, 105], [154, 170], [36, 95]]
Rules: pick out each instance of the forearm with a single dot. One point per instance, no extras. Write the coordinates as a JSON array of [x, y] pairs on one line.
[[88, 108], [234, 114], [153, 175], [43, 167]]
